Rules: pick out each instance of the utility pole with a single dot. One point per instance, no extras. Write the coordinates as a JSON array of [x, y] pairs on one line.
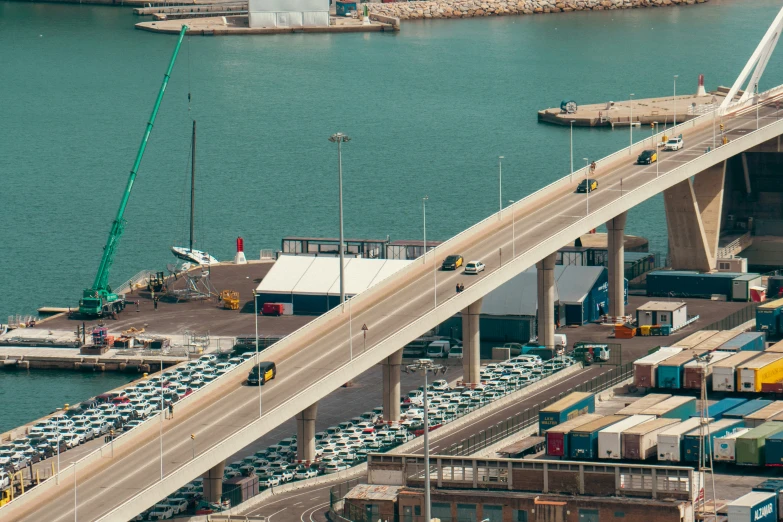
[[340, 138]]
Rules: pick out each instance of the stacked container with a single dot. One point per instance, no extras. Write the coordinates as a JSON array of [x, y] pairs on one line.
[[648, 401], [557, 437], [768, 318], [773, 486], [725, 449], [748, 341], [760, 416], [695, 338], [640, 442], [670, 448], [746, 409], [645, 369], [610, 438], [695, 371], [717, 410], [751, 445], [774, 450], [570, 406], [670, 371], [676, 407], [767, 367], [756, 506], [714, 342], [724, 372], [583, 441], [692, 439]]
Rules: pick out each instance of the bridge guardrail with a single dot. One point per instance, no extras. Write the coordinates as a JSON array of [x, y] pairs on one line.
[[335, 313]]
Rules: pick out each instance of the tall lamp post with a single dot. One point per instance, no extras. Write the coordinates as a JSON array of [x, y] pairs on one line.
[[630, 124], [587, 182], [340, 138], [571, 178], [426, 366], [513, 235], [655, 148], [500, 186], [424, 218], [675, 100], [258, 358]]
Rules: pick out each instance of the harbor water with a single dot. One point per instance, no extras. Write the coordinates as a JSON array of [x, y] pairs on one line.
[[429, 110]]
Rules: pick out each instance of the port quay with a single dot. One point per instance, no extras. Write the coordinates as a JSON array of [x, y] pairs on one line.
[[320, 298]]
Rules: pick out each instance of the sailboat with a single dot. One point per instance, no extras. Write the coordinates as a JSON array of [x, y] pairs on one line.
[[190, 254]]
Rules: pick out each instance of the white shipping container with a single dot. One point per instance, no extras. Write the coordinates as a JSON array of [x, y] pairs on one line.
[[724, 446], [669, 448], [723, 373], [609, 438]]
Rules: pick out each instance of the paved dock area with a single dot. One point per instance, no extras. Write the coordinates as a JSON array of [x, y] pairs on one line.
[[239, 25], [641, 111]]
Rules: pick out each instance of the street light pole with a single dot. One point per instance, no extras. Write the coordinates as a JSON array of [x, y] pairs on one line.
[[655, 147], [340, 138], [513, 235], [500, 186], [630, 124], [675, 100], [424, 211], [160, 435], [757, 104], [571, 178], [258, 358], [587, 182], [426, 366]]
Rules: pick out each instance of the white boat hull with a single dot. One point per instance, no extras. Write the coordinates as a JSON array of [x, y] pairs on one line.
[[193, 256]]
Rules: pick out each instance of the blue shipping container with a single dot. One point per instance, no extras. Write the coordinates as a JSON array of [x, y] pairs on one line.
[[716, 411], [746, 409], [678, 283], [756, 506], [691, 440], [768, 317], [570, 406], [774, 450], [753, 341], [669, 372]]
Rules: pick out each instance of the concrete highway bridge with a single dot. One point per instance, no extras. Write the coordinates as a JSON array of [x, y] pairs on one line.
[[118, 481]]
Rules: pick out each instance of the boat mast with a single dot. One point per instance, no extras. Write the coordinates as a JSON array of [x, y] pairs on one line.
[[192, 183]]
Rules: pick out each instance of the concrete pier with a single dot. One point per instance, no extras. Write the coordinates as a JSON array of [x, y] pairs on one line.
[[546, 301], [305, 433], [391, 386], [615, 234], [213, 483], [238, 25], [471, 343]]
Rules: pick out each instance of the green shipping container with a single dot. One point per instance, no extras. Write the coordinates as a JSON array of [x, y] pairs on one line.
[[750, 446]]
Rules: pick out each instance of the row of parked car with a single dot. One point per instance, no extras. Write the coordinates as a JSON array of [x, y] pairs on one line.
[[110, 413], [347, 444]]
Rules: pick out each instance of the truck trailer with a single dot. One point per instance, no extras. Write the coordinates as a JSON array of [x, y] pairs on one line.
[[677, 407], [750, 446], [610, 438], [644, 369], [670, 447], [767, 367], [696, 371], [557, 437], [583, 441], [694, 438], [640, 442], [724, 375], [570, 406]]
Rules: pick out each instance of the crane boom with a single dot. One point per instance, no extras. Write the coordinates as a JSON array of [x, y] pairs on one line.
[[99, 299]]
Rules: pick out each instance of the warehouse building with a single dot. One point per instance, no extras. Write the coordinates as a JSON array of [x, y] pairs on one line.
[[508, 313], [288, 13], [312, 283]]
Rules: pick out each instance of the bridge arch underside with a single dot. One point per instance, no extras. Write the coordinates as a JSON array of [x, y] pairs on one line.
[[713, 214]]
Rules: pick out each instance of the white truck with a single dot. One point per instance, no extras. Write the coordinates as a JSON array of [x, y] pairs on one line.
[[438, 349]]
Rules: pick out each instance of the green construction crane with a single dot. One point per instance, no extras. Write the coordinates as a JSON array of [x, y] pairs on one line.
[[99, 300]]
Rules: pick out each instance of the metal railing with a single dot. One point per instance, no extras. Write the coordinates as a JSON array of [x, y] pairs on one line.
[[736, 319], [125, 287], [735, 247], [529, 417]]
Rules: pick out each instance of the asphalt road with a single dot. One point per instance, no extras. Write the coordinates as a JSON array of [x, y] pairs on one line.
[[306, 359]]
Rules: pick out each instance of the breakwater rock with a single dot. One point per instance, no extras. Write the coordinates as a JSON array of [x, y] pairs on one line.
[[471, 8]]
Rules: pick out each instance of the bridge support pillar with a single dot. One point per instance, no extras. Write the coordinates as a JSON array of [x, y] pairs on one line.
[[616, 238], [305, 433], [546, 301], [391, 386], [471, 343], [213, 483]]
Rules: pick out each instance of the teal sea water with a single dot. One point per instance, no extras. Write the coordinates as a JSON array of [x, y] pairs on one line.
[[428, 109]]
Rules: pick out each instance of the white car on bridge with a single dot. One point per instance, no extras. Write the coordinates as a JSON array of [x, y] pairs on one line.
[[674, 144]]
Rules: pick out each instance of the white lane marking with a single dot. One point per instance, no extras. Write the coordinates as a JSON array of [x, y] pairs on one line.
[[290, 497], [275, 513], [312, 511]]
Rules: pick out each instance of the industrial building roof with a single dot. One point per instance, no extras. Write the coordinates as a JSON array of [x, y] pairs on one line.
[[661, 306], [321, 275]]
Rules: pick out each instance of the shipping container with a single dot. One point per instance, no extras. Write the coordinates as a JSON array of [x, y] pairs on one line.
[[696, 371], [756, 506], [692, 439], [570, 406], [641, 441], [750, 446], [725, 446], [747, 341], [695, 338], [557, 438], [676, 407], [583, 441], [741, 285], [724, 375], [717, 409], [746, 409], [774, 450], [610, 438], [775, 348], [670, 371], [714, 342], [759, 417], [773, 486], [677, 283], [670, 448], [772, 387], [644, 369], [767, 367], [768, 318], [648, 401]]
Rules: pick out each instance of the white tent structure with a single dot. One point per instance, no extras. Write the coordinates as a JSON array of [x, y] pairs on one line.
[[288, 13]]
